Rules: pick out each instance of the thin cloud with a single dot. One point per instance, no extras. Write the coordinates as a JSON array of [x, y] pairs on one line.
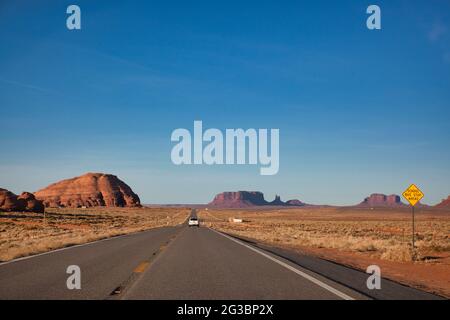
[[26, 86]]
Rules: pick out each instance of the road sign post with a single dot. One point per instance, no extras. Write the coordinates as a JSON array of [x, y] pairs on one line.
[[413, 195], [413, 230]]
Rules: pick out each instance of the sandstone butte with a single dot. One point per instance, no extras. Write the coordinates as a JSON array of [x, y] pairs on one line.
[[26, 202], [444, 204], [89, 190]]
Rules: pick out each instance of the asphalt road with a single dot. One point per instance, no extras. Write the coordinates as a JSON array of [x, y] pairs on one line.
[[186, 263], [104, 266]]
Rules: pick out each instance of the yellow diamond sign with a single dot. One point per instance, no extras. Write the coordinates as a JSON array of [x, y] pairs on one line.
[[413, 194]]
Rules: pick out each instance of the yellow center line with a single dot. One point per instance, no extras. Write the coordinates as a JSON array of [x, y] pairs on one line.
[[141, 267]]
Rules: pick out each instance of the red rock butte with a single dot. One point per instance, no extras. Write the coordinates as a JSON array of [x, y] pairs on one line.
[[89, 190], [26, 202], [444, 204], [382, 200]]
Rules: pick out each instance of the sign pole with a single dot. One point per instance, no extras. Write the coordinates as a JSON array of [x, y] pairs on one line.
[[413, 232]]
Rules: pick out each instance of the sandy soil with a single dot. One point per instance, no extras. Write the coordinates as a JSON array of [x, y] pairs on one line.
[[23, 234], [354, 237]]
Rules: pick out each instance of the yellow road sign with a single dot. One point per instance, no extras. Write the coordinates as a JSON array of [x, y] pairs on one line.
[[413, 194]]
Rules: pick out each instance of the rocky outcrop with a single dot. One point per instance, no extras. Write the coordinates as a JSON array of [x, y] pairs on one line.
[[382, 200], [244, 199], [89, 190], [295, 203], [25, 202], [8, 200], [30, 203], [277, 202], [444, 204]]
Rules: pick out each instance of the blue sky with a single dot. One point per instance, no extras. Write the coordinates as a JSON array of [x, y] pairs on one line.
[[359, 111]]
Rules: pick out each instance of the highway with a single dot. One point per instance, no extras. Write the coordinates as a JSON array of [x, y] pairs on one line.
[[187, 263]]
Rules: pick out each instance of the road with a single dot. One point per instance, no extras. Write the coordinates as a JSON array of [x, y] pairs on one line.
[[186, 263]]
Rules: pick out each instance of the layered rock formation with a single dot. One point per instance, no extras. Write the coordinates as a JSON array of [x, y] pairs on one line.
[[89, 190], [444, 204], [25, 202], [244, 199], [382, 200], [240, 199]]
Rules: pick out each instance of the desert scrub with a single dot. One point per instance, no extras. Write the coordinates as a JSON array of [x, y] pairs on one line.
[[28, 234], [382, 235]]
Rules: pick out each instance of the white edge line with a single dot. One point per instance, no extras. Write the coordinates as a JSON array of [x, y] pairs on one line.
[[300, 273], [62, 249]]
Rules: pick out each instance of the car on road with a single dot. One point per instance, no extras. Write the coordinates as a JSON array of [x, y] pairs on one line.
[[193, 222]]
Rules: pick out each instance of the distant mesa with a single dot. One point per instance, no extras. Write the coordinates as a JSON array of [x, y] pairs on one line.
[[26, 202], [240, 199], [245, 199], [89, 190], [382, 200], [295, 203], [444, 204]]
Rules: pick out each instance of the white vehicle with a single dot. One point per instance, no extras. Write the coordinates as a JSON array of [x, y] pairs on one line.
[[193, 222]]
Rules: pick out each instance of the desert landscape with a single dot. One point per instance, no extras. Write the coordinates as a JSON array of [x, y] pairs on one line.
[[376, 231], [353, 236], [25, 233]]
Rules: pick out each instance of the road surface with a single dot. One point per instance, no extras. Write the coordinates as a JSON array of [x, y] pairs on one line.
[[187, 263]]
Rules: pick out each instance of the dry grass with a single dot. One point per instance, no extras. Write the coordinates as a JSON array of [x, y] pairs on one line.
[[385, 234], [23, 234], [355, 237]]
